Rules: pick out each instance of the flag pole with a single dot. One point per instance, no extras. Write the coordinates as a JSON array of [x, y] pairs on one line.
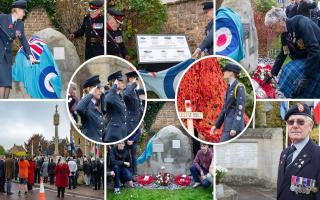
[[287, 134]]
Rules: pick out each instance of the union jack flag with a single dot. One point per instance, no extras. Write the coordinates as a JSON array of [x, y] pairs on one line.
[[36, 47]]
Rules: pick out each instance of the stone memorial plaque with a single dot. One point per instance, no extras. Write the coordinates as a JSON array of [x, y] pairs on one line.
[[58, 53], [162, 48], [168, 160], [157, 148], [176, 144], [238, 155]]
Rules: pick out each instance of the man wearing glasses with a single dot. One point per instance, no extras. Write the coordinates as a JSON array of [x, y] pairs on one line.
[[299, 167]]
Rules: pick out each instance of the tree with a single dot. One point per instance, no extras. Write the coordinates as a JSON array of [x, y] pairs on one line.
[[2, 150], [36, 139]]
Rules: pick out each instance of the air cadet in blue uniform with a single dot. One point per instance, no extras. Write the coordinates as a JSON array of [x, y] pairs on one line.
[[134, 111], [207, 44], [93, 28], [11, 27], [116, 110], [299, 167], [232, 114], [115, 43], [89, 109]]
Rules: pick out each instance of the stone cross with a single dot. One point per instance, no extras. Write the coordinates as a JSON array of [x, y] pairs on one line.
[[190, 116]]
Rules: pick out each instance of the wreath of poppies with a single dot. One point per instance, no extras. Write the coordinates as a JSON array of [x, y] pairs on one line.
[[145, 180], [183, 180], [259, 75], [204, 86]]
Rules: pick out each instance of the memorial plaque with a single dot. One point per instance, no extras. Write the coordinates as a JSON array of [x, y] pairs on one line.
[[162, 49], [176, 144], [157, 148], [58, 53], [168, 160], [238, 155]]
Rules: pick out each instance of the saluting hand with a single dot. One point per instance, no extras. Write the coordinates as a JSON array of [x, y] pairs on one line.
[[116, 82], [233, 133], [92, 91], [213, 129]]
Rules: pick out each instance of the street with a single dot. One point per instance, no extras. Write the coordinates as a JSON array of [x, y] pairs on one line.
[[50, 194]]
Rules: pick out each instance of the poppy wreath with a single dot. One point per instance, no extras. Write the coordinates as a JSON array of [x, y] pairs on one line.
[[145, 180], [259, 75], [182, 180], [204, 86]]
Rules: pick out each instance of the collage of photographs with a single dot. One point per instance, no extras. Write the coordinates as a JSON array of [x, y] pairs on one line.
[[160, 99]]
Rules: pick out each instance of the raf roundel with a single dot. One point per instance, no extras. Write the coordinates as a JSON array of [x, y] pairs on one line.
[[47, 74]]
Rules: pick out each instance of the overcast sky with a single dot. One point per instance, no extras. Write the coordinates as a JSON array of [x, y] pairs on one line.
[[20, 120]]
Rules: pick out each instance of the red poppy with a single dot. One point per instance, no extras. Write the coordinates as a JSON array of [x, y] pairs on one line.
[[182, 180], [145, 180]]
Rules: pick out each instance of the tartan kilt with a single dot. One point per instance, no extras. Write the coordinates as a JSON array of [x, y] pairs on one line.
[[292, 74]]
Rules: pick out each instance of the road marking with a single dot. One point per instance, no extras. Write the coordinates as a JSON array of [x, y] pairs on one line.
[[73, 195]]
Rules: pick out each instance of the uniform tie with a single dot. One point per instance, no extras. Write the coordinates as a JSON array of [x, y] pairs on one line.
[[290, 155]]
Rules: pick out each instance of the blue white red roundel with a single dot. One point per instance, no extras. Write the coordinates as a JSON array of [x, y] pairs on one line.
[[45, 87]]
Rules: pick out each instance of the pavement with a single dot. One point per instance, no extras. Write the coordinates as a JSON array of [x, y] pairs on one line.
[[80, 193], [255, 192]]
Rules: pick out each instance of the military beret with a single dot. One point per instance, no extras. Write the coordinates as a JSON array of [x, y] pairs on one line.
[[132, 74], [19, 4], [298, 109], [116, 75], [140, 91], [91, 81], [94, 5], [116, 14], [207, 5], [232, 68]]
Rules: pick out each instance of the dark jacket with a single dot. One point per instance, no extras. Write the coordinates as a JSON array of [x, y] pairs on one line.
[[232, 114], [51, 168], [2, 171], [8, 32], [91, 118], [118, 157], [306, 164], [9, 165], [115, 43], [87, 168], [117, 115], [207, 43]]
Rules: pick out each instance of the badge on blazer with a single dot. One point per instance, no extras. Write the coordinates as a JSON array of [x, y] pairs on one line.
[[285, 50], [18, 33], [300, 44], [10, 26], [98, 26], [118, 39], [301, 185]]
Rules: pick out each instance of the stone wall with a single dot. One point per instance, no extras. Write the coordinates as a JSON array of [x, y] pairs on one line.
[[269, 146], [37, 20], [166, 116], [186, 17]]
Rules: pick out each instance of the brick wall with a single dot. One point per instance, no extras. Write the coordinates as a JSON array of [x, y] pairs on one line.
[[186, 17], [166, 116], [37, 20]]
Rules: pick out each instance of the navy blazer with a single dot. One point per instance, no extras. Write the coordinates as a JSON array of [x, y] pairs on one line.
[[307, 165], [117, 115], [134, 107], [232, 114], [207, 42], [8, 32], [91, 118]]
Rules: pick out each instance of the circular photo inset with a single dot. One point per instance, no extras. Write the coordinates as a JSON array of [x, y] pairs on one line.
[[106, 100], [215, 100]]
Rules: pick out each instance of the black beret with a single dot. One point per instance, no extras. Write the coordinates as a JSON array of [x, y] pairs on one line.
[[91, 81], [298, 109], [116, 75], [232, 68], [96, 4], [207, 5], [19, 4], [115, 13], [132, 74], [140, 91]]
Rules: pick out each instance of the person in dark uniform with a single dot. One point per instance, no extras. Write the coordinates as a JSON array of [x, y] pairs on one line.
[[115, 43], [300, 39], [93, 28], [116, 110], [142, 96], [207, 44], [232, 114], [73, 101], [11, 27], [299, 166], [89, 110], [134, 115], [120, 165]]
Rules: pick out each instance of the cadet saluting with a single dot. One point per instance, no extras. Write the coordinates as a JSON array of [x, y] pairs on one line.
[[89, 109], [232, 114], [93, 28], [11, 27], [116, 110], [115, 44], [207, 43], [299, 167]]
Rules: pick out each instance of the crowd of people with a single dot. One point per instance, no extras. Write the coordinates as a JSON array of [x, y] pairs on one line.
[[62, 172]]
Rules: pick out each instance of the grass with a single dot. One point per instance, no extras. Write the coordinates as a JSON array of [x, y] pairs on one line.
[[154, 194]]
